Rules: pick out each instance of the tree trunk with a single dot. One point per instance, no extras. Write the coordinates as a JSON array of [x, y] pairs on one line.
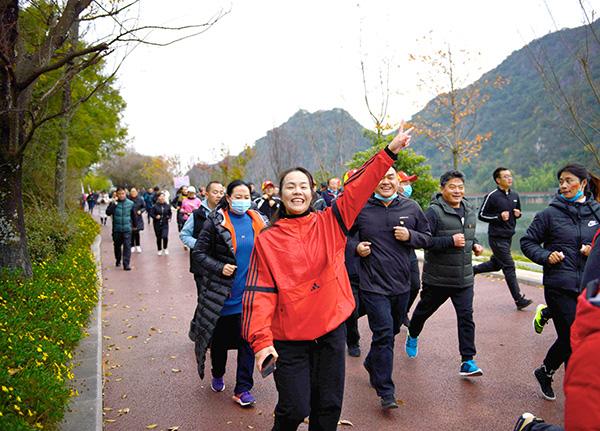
[[455, 160], [13, 242]]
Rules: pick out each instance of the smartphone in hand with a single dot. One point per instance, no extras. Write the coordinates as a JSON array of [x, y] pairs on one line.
[[268, 366]]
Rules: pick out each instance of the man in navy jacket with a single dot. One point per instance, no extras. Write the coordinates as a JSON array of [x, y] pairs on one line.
[[389, 227], [501, 208]]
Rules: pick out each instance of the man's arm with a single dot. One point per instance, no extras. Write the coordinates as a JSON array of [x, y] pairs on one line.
[[488, 212], [437, 242], [186, 233]]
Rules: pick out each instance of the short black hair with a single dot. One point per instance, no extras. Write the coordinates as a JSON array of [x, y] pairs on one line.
[[211, 183], [498, 170], [579, 171], [447, 176], [119, 188]]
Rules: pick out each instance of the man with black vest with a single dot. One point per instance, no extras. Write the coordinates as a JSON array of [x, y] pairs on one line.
[[447, 271], [501, 208], [389, 227], [191, 231]]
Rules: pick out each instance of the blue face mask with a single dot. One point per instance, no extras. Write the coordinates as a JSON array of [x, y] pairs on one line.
[[240, 206], [574, 198], [407, 190], [381, 198]]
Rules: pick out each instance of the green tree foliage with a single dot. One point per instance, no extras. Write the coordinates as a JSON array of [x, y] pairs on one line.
[[408, 161], [131, 169]]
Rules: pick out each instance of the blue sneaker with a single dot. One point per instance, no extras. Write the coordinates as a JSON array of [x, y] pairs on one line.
[[470, 369], [217, 384], [412, 347], [244, 399]]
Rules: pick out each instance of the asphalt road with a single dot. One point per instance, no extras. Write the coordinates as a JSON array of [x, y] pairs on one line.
[[151, 380]]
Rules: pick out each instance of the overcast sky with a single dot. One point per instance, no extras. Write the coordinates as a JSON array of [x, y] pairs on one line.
[[266, 59]]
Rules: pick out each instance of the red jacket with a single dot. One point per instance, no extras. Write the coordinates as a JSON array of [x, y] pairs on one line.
[[582, 378], [297, 286]]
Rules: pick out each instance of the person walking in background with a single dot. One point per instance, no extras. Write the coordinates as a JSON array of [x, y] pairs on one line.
[[103, 201], [191, 231], [500, 209], [405, 189], [161, 216], [298, 295], [447, 270], [137, 222], [91, 201], [222, 255], [121, 211], [176, 203], [559, 238], [149, 200], [389, 228], [268, 203], [189, 204], [333, 188]]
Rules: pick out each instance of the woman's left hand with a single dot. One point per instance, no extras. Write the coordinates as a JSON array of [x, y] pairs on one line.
[[586, 249]]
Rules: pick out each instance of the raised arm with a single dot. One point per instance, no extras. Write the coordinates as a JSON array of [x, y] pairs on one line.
[[360, 186]]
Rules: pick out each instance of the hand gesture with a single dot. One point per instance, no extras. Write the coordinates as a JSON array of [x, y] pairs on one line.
[[229, 269], [459, 240], [586, 249], [517, 212], [401, 233], [556, 257], [505, 215], [363, 249], [401, 140], [262, 354], [157, 216], [477, 249]]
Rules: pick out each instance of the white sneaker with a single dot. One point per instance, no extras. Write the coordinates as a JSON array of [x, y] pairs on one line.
[[133, 249], [139, 249], [160, 252], [166, 252]]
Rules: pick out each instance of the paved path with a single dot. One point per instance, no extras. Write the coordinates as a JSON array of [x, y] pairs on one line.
[[151, 380]]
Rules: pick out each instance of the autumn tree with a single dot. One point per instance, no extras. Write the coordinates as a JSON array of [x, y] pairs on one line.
[[451, 117], [23, 65]]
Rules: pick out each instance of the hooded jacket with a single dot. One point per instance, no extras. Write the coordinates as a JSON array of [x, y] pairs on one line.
[[563, 226], [582, 376], [297, 286], [386, 270], [214, 248]]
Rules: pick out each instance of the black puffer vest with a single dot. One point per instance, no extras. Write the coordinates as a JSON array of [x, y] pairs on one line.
[[451, 267]]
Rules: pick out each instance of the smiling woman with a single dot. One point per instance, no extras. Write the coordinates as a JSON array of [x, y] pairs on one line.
[[298, 295]]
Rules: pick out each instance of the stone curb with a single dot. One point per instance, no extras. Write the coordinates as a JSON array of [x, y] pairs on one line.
[[84, 412], [523, 276]]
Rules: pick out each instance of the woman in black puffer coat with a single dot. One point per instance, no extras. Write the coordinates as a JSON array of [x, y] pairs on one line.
[[560, 238], [137, 219]]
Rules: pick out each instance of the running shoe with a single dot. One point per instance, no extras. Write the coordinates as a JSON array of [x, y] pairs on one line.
[[217, 384], [526, 419], [160, 252], [138, 249], [166, 252], [544, 379], [523, 303], [354, 351], [412, 346], [538, 319], [244, 399], [470, 369]]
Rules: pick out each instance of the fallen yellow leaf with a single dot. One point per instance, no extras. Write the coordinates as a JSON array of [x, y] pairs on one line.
[[151, 426]]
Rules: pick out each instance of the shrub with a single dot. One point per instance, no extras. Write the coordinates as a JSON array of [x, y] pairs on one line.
[[41, 321]]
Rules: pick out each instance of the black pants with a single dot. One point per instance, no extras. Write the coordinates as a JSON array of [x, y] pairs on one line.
[[162, 235], [228, 335], [501, 260], [122, 247], [415, 281], [310, 381], [385, 314], [544, 427], [352, 334], [562, 305], [135, 238], [432, 298]]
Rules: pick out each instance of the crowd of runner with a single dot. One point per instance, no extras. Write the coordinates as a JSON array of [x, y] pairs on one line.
[[283, 276]]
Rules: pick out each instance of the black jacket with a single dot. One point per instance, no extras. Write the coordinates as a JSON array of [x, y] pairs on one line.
[[164, 211], [446, 265], [387, 269], [494, 203], [592, 266], [137, 220], [267, 210], [563, 226]]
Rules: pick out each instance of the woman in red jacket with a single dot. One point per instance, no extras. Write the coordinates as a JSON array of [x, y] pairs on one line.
[[298, 295]]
